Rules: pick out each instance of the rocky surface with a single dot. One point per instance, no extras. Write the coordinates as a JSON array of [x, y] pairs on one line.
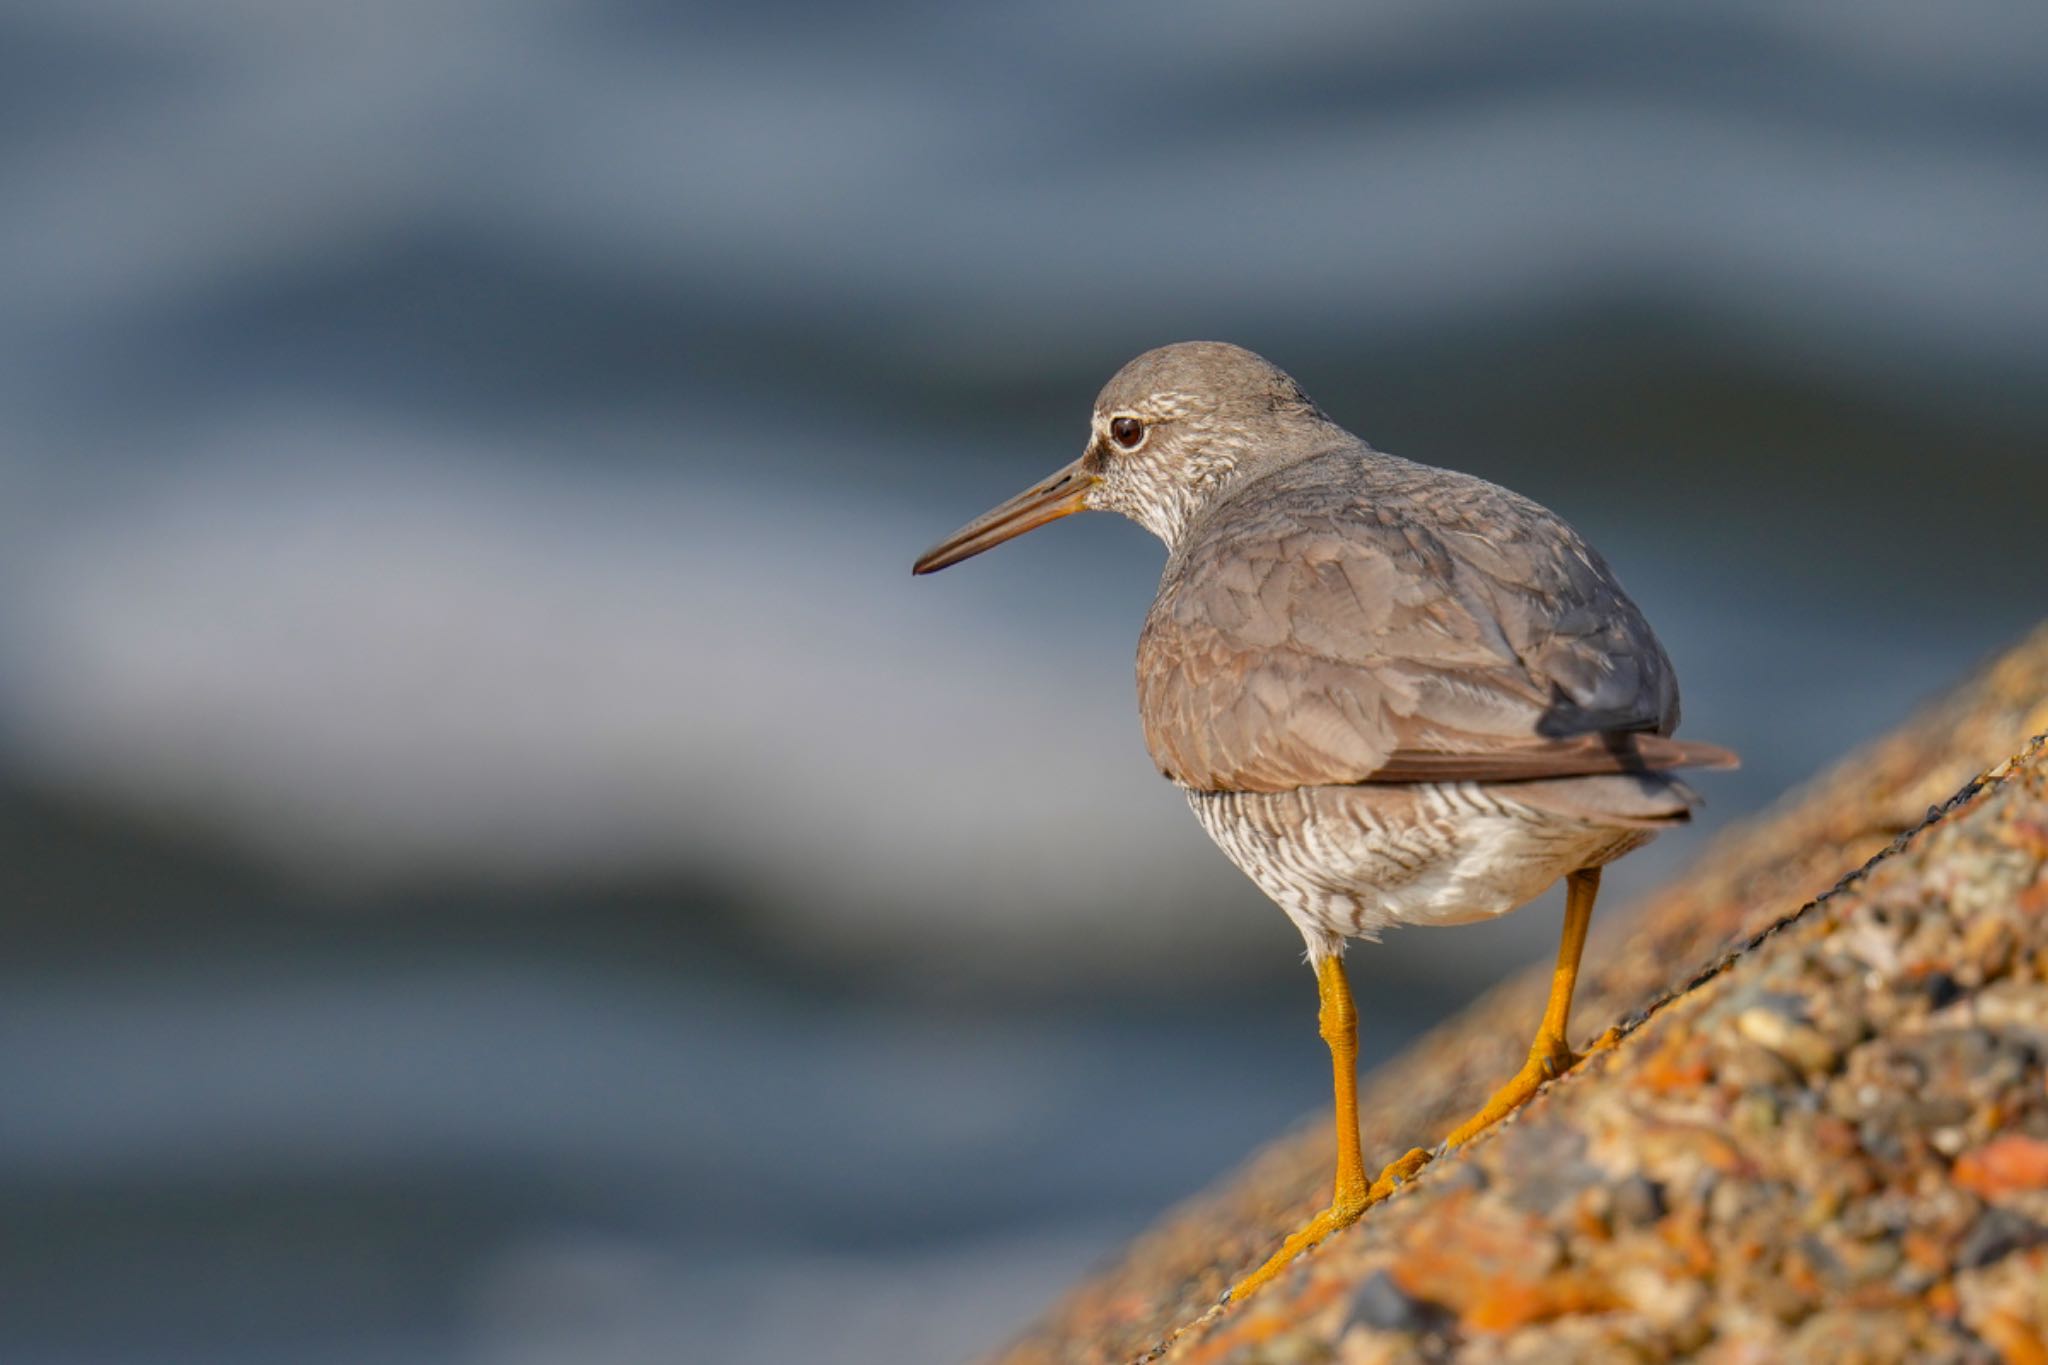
[[1820, 1130]]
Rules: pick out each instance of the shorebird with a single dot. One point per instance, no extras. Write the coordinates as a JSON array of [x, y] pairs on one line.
[[1393, 694]]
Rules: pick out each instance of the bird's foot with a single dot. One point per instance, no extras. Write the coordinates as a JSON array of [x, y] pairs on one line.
[[1342, 1213], [1549, 1058], [1344, 1210]]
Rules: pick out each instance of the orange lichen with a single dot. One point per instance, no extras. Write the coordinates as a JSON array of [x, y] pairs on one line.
[[1674, 1067], [2016, 1341], [2003, 1165]]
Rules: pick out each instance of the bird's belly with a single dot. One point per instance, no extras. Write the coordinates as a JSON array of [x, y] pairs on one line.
[[1347, 862]]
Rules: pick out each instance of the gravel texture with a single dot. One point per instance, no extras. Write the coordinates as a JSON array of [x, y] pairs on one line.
[[1820, 1130]]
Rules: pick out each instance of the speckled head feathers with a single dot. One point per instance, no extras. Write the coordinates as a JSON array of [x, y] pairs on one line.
[[1202, 376], [1176, 426]]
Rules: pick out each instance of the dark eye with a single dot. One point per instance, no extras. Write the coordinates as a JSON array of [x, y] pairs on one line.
[[1127, 432]]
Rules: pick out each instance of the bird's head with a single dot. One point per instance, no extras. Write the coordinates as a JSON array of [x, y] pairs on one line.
[[1171, 430]]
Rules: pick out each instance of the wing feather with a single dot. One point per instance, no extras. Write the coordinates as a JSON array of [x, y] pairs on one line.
[[1356, 618]]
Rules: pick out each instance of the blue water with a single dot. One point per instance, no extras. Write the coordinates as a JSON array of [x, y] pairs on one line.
[[501, 861]]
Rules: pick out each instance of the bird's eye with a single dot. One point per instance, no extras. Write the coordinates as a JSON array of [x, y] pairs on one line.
[[1127, 432]]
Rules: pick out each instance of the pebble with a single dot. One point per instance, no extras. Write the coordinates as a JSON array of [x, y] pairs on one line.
[[1379, 1302], [1995, 1235]]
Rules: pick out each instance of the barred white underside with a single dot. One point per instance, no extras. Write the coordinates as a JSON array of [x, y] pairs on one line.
[[1347, 862]]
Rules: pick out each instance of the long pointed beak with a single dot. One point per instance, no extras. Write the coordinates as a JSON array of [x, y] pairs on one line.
[[1061, 495]]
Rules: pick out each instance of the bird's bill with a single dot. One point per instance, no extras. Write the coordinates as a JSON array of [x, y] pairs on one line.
[[1061, 495]]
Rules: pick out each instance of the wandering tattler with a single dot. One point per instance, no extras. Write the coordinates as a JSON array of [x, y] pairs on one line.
[[1393, 694]]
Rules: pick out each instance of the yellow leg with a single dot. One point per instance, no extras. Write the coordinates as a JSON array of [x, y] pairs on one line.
[[1551, 1054], [1339, 1022]]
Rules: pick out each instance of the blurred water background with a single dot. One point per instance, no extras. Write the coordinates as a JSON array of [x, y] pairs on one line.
[[502, 863]]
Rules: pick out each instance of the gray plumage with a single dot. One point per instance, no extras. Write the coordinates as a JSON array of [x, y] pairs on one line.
[[1393, 693], [1353, 617]]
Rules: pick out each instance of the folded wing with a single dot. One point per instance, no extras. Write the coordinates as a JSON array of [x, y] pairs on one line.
[[1366, 620]]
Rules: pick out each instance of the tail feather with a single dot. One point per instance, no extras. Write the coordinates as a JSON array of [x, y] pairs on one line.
[[1662, 751], [1624, 752]]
